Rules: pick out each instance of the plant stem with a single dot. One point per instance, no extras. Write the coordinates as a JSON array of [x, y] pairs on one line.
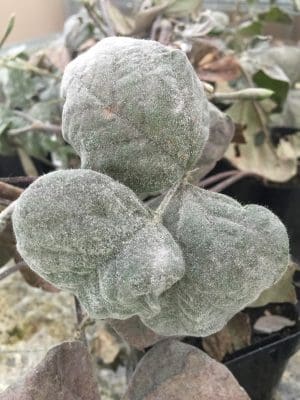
[[9, 192], [244, 94], [164, 204], [19, 179], [36, 125], [106, 17], [94, 16], [5, 216], [4, 202], [80, 317], [218, 177], [12, 270], [228, 182]]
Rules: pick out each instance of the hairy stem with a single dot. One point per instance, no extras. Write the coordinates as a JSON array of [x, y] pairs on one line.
[[164, 204]]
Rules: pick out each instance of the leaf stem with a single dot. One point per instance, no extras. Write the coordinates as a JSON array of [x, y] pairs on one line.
[[11, 270], [80, 317], [218, 177], [5, 215], [164, 204], [230, 181], [106, 17], [9, 192], [18, 179], [36, 125]]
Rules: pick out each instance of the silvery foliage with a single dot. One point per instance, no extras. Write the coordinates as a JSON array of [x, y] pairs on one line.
[[135, 110], [232, 253], [87, 233]]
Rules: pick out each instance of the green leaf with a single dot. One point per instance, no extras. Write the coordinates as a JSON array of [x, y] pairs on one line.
[[180, 8], [8, 120], [273, 77], [275, 14], [18, 88], [282, 292], [250, 28], [8, 30]]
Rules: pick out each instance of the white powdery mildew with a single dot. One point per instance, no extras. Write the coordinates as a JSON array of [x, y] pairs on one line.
[[136, 111], [86, 233], [232, 253]]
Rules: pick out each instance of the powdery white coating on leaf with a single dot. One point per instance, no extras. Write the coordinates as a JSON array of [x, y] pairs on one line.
[[84, 232], [136, 111], [232, 254]]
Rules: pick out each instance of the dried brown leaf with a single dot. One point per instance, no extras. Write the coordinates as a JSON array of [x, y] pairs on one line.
[[135, 332], [239, 137], [33, 279], [7, 239], [226, 68], [65, 373], [234, 336], [272, 323], [177, 371], [105, 345]]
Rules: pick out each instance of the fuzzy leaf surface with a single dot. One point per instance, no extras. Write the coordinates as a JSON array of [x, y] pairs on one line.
[[84, 232], [136, 111], [232, 253]]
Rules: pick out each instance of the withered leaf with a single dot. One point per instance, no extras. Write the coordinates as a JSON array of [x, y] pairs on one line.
[[234, 336], [135, 332], [272, 323], [226, 68], [65, 373], [7, 239], [238, 136], [177, 371], [258, 154], [33, 279]]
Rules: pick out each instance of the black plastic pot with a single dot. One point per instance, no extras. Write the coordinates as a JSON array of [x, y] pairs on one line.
[[11, 166], [259, 368]]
